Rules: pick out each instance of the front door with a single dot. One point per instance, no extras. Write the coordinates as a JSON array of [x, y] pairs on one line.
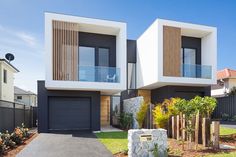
[[105, 110]]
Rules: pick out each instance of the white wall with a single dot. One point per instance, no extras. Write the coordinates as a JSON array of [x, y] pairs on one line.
[[147, 61], [7, 89]]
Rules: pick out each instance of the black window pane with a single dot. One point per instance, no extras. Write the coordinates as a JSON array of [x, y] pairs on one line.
[[5, 76], [103, 57]]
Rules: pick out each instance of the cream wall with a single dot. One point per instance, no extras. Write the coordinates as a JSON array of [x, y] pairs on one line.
[[30, 100], [6, 89], [232, 83]]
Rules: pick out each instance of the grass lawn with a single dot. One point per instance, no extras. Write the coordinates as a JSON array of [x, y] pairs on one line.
[[114, 141], [231, 154], [227, 131]]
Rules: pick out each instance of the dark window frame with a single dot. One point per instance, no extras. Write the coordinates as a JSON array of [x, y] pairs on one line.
[[4, 75], [19, 97]]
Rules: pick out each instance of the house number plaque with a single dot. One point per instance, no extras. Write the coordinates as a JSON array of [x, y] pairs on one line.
[[145, 137]]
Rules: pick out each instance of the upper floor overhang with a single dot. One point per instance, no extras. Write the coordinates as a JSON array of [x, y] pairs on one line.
[[68, 69], [161, 57]]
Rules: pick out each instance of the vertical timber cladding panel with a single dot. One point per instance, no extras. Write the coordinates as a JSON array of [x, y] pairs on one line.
[[65, 50], [146, 95], [171, 51], [105, 110]]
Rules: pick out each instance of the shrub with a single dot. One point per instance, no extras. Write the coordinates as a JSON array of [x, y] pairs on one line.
[[225, 117], [140, 116], [126, 120], [25, 131], [163, 111], [17, 136], [160, 117], [233, 118], [2, 146], [6, 137]]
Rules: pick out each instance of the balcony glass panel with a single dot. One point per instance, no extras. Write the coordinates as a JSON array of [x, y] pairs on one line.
[[196, 71], [99, 74]]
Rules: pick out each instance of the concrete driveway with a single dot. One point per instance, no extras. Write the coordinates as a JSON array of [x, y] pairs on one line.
[[64, 145]]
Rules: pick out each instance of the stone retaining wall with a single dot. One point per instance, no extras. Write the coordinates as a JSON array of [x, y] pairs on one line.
[[132, 105]]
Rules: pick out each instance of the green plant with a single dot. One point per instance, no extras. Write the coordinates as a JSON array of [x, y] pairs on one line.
[[160, 117], [141, 114], [225, 117], [6, 137], [2, 146], [25, 131], [126, 120], [163, 111], [155, 150], [233, 118], [208, 106], [17, 136]]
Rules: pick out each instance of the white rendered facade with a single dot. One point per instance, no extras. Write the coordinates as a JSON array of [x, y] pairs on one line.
[[89, 25], [150, 55]]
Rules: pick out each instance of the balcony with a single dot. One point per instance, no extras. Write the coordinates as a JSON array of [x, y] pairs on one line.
[[196, 71], [99, 74]]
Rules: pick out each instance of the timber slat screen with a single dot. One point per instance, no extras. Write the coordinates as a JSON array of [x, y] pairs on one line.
[[65, 50], [225, 105], [171, 51], [13, 115]]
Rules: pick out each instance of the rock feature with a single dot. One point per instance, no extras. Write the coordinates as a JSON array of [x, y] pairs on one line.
[[141, 142], [133, 105]]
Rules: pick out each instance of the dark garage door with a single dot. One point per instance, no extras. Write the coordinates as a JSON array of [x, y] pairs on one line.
[[69, 113]]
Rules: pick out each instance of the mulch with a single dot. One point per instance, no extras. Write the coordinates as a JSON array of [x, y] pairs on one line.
[[16, 150], [175, 148]]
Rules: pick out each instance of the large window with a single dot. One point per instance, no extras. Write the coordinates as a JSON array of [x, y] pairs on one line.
[[86, 63], [188, 59], [5, 76]]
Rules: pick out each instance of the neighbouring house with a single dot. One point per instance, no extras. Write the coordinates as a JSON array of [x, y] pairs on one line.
[[7, 71], [226, 80], [26, 97], [89, 61]]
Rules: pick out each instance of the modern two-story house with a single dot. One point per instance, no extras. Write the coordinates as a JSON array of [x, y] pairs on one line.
[[90, 62]]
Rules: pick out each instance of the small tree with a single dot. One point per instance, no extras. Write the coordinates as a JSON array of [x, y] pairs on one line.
[[232, 91], [141, 114]]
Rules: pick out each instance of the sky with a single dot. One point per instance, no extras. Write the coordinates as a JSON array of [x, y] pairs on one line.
[[22, 26]]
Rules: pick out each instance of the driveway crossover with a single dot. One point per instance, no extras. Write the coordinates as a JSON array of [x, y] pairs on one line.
[[65, 145]]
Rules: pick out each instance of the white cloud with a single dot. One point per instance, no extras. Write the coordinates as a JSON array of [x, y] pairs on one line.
[[28, 50], [28, 38]]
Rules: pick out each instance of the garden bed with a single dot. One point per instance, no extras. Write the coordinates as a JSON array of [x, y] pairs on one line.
[[12, 143], [117, 143], [12, 152]]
